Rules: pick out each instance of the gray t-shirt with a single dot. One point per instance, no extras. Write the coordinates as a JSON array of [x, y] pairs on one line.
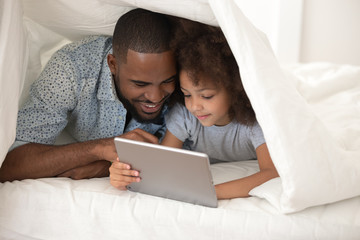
[[233, 142]]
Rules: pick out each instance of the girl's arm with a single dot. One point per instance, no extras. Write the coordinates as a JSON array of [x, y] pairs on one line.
[[242, 187], [171, 141]]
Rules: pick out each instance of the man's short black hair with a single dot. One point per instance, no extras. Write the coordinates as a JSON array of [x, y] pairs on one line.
[[142, 31]]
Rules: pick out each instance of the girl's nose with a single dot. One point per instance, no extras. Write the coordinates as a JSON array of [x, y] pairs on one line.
[[195, 105]]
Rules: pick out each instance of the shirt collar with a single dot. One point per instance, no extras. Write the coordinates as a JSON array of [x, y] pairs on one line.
[[106, 90]]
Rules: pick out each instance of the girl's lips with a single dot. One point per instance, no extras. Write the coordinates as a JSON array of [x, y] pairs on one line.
[[202, 117], [150, 108]]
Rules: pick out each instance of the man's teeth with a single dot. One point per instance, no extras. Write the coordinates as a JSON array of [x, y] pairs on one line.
[[150, 105]]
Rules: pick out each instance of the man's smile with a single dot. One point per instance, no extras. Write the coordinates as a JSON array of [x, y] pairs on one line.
[[150, 108]]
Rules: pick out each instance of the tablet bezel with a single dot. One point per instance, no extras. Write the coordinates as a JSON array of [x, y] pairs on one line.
[[184, 175]]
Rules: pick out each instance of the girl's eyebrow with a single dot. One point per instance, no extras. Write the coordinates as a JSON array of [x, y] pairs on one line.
[[199, 90]]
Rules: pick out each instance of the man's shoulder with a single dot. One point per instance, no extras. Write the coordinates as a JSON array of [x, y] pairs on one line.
[[90, 44], [86, 56]]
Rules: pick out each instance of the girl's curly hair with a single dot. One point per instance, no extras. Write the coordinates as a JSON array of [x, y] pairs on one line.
[[202, 51]]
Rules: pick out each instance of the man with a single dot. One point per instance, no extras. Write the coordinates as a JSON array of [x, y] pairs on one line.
[[97, 88]]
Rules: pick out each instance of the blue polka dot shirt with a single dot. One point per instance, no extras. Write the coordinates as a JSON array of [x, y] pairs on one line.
[[76, 91]]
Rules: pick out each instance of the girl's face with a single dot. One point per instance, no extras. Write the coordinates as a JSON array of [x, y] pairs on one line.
[[207, 102]]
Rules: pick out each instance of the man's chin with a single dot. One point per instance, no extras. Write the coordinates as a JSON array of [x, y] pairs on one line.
[[144, 117]]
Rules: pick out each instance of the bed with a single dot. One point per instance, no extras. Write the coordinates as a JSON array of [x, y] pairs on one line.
[[92, 209], [310, 115]]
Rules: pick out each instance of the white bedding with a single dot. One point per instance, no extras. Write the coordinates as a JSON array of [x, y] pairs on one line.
[[310, 115], [92, 209]]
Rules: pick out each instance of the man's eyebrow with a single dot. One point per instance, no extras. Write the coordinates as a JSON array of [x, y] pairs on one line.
[[144, 82], [139, 81], [170, 78]]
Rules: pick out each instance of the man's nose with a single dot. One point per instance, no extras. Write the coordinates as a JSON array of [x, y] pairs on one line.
[[155, 94]]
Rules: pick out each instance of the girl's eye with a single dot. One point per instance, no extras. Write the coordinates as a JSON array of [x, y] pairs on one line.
[[208, 97], [187, 96]]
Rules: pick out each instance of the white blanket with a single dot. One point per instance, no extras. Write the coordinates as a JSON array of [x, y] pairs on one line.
[[62, 208], [310, 118]]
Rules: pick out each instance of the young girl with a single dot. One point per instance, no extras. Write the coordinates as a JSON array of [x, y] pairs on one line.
[[217, 118]]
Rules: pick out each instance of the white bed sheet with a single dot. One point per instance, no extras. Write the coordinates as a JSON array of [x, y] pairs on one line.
[[60, 208]]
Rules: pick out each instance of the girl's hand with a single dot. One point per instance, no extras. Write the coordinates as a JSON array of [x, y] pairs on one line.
[[122, 175]]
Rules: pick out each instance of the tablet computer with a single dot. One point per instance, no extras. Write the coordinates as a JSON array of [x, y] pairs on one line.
[[168, 172]]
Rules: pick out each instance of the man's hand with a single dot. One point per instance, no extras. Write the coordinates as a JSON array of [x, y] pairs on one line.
[[107, 150], [140, 135], [93, 170], [121, 175]]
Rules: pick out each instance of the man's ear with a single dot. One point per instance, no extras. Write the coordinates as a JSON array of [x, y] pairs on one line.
[[111, 60]]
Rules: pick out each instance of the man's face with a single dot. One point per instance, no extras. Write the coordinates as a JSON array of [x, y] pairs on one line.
[[144, 82]]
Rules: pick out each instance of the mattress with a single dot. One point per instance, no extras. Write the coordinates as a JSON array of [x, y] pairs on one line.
[[61, 208]]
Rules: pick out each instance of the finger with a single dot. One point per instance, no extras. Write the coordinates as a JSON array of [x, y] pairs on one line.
[[129, 179], [121, 165], [118, 175], [124, 182], [123, 169], [120, 171]]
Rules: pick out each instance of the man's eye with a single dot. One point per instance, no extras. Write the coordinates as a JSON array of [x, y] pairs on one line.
[[170, 80], [141, 84]]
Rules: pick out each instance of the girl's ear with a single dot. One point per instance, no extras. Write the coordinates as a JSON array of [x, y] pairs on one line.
[[111, 60]]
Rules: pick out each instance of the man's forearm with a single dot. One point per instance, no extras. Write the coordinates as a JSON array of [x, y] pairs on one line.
[[37, 160]]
